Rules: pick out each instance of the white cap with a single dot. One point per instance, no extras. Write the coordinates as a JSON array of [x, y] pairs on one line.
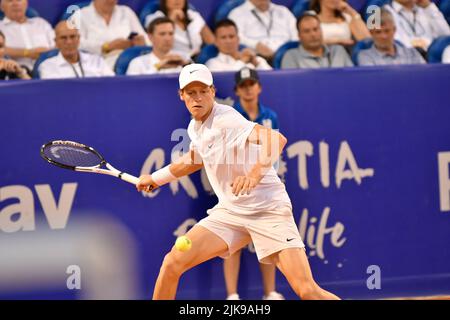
[[195, 72]]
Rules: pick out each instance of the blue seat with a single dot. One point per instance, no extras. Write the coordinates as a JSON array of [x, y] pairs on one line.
[[30, 13], [210, 51], [151, 7], [127, 55], [225, 8], [437, 48], [44, 56], [299, 7], [67, 14], [360, 45], [279, 54], [444, 6], [379, 3]]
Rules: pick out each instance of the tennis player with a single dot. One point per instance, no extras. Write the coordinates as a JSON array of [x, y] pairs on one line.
[[253, 202]]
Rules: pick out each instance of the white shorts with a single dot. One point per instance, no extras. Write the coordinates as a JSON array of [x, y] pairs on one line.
[[270, 231]]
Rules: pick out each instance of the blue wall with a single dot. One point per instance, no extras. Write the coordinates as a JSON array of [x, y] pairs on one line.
[[375, 201]]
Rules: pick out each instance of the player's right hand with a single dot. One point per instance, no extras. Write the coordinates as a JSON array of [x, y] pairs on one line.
[[146, 183]]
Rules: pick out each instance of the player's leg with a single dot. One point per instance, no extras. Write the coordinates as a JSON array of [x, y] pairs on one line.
[[205, 245], [231, 268], [268, 273], [293, 263]]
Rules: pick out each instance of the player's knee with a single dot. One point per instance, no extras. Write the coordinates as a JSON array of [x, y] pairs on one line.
[[172, 267], [306, 291]]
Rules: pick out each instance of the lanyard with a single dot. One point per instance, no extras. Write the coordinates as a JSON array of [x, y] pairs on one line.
[[269, 27], [412, 26], [81, 69]]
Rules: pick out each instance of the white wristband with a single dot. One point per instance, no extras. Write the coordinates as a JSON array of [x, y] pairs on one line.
[[163, 176]]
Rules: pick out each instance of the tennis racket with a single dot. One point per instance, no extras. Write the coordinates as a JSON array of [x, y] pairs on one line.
[[79, 157]]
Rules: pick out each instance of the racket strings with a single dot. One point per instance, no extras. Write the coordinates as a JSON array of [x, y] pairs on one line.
[[72, 156]]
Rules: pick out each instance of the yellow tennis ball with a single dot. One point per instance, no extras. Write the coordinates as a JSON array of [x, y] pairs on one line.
[[183, 244]]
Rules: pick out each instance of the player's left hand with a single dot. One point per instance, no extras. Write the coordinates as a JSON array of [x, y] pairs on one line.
[[243, 185]]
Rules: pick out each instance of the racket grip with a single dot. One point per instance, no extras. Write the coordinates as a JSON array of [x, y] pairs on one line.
[[129, 178]]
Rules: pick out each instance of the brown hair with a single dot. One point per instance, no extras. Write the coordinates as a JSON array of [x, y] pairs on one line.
[[315, 5], [157, 22], [165, 10]]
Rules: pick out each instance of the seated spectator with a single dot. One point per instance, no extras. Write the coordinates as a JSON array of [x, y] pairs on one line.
[[10, 69], [229, 57], [446, 55], [70, 62], [191, 30], [312, 51], [248, 89], [162, 59], [27, 37], [340, 23], [108, 28], [418, 22], [384, 50], [264, 26]]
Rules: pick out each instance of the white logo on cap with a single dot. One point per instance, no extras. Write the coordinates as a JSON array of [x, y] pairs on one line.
[[245, 73]]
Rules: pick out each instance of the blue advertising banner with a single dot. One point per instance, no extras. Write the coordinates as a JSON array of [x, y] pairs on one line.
[[366, 167]]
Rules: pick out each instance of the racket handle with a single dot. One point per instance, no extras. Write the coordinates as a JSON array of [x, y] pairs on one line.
[[129, 178]]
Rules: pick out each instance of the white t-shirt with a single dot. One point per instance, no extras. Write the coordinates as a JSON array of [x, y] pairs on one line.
[[225, 62], [216, 140], [187, 41], [95, 32], [335, 30], [90, 65], [34, 33], [273, 28], [146, 65]]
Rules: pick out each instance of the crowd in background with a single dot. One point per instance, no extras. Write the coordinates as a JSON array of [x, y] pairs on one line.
[[90, 43]]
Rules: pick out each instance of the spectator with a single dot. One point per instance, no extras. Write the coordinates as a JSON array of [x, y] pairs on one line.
[[70, 62], [191, 30], [340, 23], [264, 26], [418, 22], [108, 28], [10, 69], [446, 55], [248, 88], [312, 51], [229, 57], [27, 37], [384, 50], [162, 59]]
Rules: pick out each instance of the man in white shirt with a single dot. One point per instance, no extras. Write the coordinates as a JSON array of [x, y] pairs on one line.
[[162, 59], [70, 62], [229, 57], [27, 37], [238, 157], [417, 22], [108, 28], [264, 26]]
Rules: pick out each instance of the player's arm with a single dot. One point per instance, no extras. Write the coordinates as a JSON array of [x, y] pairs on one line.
[[272, 144], [185, 165]]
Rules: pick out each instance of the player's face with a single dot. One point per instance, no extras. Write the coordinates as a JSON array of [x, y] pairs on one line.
[[384, 37], [227, 40], [14, 9], [249, 90], [310, 33], [199, 99]]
